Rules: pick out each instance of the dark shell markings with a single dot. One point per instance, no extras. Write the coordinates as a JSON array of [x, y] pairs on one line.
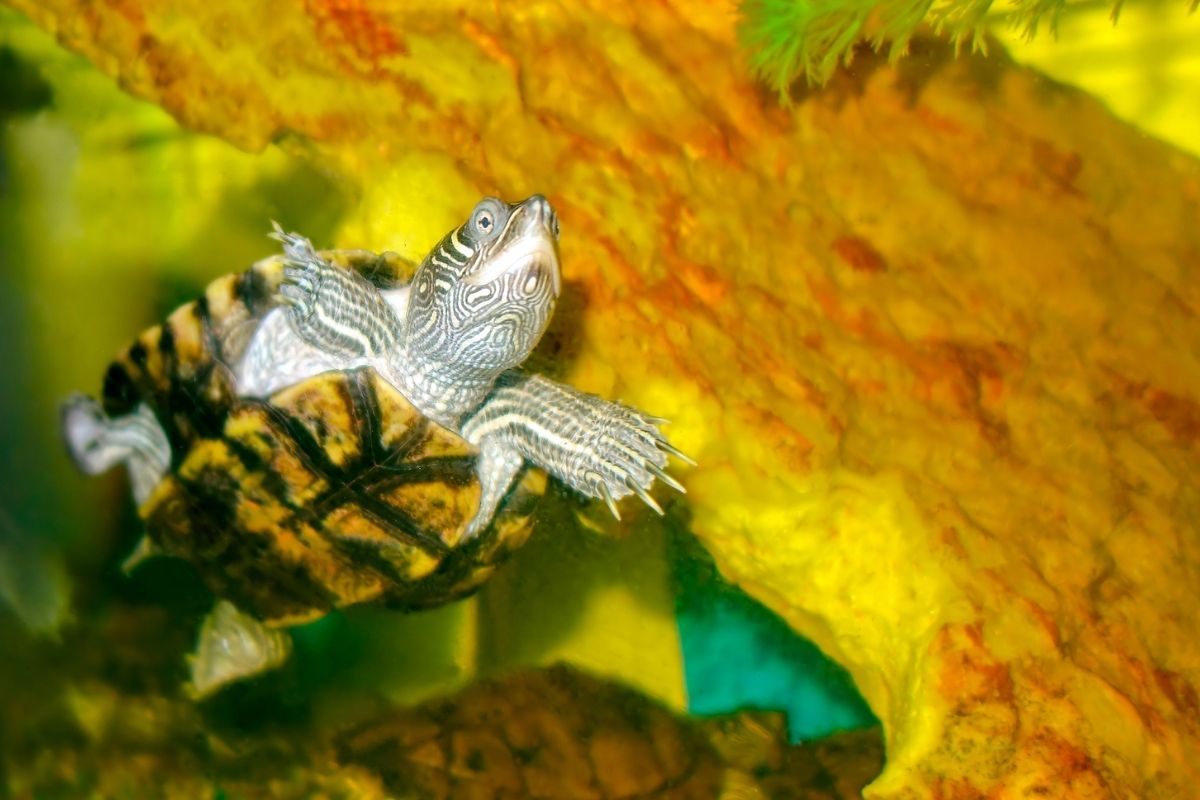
[[329, 429], [329, 493]]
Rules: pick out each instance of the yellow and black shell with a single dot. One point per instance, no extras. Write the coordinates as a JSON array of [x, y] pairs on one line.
[[332, 492]]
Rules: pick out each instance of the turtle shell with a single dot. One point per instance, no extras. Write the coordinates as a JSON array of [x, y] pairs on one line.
[[331, 492], [561, 732]]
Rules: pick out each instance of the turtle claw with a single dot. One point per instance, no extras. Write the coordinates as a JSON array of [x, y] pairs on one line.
[[646, 498], [295, 296], [608, 499], [302, 278], [332, 309], [661, 474], [295, 246], [602, 449], [629, 456], [301, 264], [670, 448]]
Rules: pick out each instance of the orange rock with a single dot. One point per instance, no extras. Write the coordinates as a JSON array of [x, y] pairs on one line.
[[931, 333]]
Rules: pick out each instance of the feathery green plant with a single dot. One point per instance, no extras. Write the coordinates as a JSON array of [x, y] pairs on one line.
[[788, 39]]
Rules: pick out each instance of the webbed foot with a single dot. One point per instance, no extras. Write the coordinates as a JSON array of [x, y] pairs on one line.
[[627, 454], [302, 272], [603, 449]]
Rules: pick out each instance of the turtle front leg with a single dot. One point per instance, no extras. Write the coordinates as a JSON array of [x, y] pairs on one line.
[[603, 449], [336, 311]]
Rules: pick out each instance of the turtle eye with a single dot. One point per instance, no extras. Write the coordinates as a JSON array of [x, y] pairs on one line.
[[484, 222], [487, 219]]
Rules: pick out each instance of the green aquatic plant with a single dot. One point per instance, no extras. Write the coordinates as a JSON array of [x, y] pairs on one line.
[[789, 39]]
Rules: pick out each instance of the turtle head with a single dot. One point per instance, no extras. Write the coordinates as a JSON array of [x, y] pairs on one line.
[[481, 300]]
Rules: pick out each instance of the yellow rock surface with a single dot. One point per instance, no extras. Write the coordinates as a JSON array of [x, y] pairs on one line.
[[931, 333]]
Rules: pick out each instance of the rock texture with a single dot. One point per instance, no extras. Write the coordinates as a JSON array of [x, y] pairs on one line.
[[931, 333], [561, 733], [99, 715]]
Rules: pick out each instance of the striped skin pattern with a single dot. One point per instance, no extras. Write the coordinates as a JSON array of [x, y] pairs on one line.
[[98, 443], [294, 433], [477, 306], [332, 492], [375, 330], [558, 428], [476, 310]]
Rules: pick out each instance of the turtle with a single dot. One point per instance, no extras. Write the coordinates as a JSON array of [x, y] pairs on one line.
[[561, 731], [340, 427]]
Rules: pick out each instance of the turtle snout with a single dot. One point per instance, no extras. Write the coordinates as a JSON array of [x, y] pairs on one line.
[[542, 214]]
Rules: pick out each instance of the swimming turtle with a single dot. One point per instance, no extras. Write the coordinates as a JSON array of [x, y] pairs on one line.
[[332, 428]]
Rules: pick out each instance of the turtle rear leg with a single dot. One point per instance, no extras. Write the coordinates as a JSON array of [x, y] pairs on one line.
[[98, 443], [233, 646]]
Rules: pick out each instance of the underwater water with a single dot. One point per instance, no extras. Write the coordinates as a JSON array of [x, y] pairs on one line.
[[823, 592]]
